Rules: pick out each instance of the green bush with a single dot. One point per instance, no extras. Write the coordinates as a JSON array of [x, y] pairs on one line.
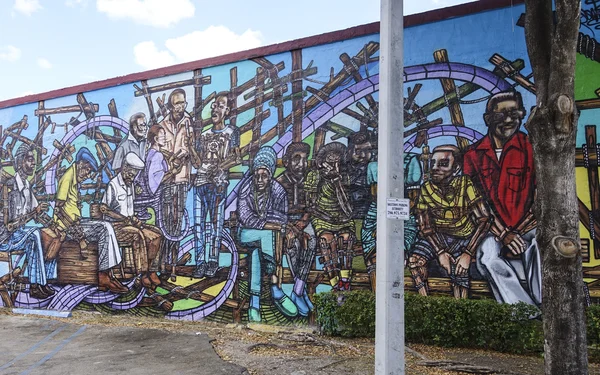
[[593, 325], [445, 321], [442, 321], [593, 332], [348, 314]]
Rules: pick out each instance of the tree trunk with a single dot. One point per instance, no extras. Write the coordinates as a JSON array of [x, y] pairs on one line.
[[552, 128], [558, 240]]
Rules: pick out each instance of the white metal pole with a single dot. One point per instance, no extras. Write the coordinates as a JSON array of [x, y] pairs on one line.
[[389, 331]]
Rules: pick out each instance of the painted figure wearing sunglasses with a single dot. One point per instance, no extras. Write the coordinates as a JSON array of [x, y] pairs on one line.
[[501, 166]]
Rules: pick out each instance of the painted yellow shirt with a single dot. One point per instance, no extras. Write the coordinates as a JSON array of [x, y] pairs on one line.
[[450, 213], [67, 191]]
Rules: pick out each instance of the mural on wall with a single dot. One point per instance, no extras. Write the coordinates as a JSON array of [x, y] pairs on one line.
[[234, 193], [587, 95]]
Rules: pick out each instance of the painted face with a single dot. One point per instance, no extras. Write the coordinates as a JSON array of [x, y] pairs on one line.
[[298, 163], [505, 120], [28, 165], [161, 138], [84, 171], [442, 166], [361, 153], [262, 179], [140, 128], [331, 165], [219, 110], [178, 105], [129, 174]]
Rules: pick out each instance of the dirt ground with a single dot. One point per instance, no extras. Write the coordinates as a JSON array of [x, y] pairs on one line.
[[272, 350]]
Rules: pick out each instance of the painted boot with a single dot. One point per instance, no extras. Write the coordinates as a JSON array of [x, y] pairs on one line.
[[303, 308], [36, 292], [47, 289], [307, 301], [283, 302], [254, 310], [154, 278], [200, 271], [212, 268]]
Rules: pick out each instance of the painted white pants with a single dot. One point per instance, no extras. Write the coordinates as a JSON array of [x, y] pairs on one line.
[[102, 232], [505, 274]]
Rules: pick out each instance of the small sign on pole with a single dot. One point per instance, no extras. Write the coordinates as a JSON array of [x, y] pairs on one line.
[[398, 208]]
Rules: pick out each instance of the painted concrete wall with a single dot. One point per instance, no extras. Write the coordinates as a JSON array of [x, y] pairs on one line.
[[233, 189]]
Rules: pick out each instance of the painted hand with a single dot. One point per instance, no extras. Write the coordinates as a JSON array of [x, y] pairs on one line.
[[272, 226], [135, 221], [463, 264], [300, 225], [43, 207], [446, 260], [514, 242]]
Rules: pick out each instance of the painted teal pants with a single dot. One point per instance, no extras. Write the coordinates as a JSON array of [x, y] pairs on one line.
[[261, 244]]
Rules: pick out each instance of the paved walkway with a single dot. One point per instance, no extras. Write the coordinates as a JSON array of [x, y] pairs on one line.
[[41, 346]]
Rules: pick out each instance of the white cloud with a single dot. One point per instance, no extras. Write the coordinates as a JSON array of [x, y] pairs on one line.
[[10, 53], [44, 63], [147, 55], [26, 93], [158, 13], [214, 41], [27, 7]]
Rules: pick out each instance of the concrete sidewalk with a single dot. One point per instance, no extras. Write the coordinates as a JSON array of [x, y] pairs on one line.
[[41, 346]]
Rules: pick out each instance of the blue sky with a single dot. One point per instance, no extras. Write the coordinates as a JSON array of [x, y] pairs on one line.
[[50, 44]]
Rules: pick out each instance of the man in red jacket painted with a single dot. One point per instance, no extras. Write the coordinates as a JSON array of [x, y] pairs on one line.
[[501, 166]]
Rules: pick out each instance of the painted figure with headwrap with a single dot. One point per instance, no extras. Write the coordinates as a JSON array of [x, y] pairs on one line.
[[22, 208], [68, 218], [332, 212], [262, 210]]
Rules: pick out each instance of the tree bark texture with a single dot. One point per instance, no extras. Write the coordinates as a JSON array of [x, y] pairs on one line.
[[552, 127]]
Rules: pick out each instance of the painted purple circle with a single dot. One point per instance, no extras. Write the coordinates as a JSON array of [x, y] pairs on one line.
[[325, 111], [213, 305]]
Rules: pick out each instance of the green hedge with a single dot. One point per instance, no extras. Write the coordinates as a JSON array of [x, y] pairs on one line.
[[593, 325], [349, 314], [450, 322], [441, 321], [445, 321]]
